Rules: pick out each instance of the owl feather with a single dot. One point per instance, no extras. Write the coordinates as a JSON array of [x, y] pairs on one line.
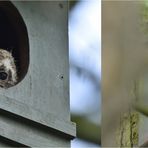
[[8, 71]]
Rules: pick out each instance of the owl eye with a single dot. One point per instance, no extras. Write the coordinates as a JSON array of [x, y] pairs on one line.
[[3, 75]]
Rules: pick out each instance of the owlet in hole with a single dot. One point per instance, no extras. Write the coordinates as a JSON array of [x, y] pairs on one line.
[[8, 72]]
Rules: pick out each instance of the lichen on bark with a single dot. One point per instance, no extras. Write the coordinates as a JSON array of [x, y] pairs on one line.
[[127, 133]]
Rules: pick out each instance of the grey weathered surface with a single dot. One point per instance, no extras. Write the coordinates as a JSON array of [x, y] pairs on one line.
[[47, 30], [42, 97], [45, 119]]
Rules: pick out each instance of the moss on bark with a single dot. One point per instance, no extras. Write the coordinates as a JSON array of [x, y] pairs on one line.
[[127, 133]]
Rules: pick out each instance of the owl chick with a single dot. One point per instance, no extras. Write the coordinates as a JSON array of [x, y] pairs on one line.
[[8, 74]]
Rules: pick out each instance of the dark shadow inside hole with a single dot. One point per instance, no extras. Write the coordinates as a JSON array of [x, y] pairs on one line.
[[8, 37], [14, 36]]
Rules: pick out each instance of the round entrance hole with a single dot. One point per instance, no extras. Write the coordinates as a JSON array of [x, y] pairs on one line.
[[14, 36]]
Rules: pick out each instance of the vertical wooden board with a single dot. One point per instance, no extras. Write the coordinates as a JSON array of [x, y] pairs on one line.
[[125, 57], [111, 67]]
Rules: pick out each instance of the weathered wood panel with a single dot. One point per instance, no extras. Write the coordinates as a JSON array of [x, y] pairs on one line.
[[36, 112], [125, 58]]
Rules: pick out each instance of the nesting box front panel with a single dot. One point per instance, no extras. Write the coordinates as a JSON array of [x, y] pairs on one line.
[[46, 83], [37, 108]]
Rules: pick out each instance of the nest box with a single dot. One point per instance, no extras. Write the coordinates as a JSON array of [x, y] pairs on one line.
[[36, 112]]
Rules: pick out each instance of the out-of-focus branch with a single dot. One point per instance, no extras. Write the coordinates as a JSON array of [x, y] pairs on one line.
[[72, 3], [87, 130], [86, 72]]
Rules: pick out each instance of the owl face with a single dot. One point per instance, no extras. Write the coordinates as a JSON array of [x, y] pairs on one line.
[[8, 76]]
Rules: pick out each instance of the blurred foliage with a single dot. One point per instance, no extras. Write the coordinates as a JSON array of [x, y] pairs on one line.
[[86, 72], [72, 3], [87, 130]]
